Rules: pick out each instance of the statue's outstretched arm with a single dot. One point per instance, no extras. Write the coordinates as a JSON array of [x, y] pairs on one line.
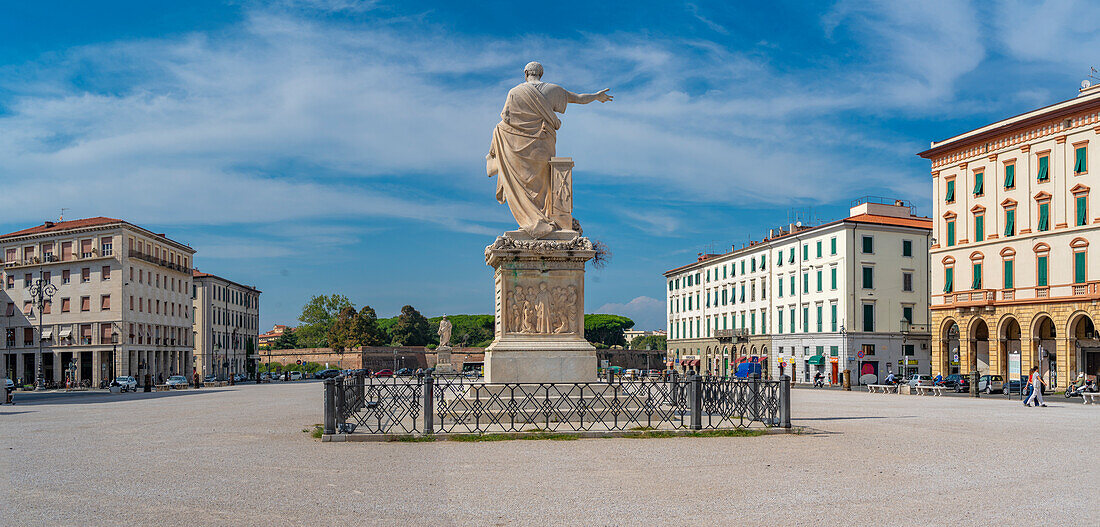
[[585, 98]]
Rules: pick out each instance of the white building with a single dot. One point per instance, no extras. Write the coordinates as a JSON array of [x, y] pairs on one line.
[[120, 302], [227, 325], [810, 299]]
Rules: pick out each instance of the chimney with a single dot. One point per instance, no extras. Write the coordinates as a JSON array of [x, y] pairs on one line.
[[48, 224]]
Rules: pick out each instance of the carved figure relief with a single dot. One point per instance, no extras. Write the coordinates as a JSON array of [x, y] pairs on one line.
[[542, 309]]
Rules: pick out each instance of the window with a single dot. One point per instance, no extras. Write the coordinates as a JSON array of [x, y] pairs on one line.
[[1079, 273], [908, 350], [779, 259], [792, 255], [1082, 204], [86, 275], [1010, 222], [907, 282], [819, 285], [28, 279], [65, 305], [805, 282], [28, 308], [806, 319], [948, 279], [11, 281], [752, 266], [832, 246], [907, 248], [950, 194], [979, 227], [834, 351], [742, 267], [976, 282], [832, 317], [792, 284], [47, 306], [791, 312], [868, 277], [1010, 176], [85, 303], [1044, 216], [868, 317], [1080, 161], [780, 288], [979, 183], [779, 319], [907, 313], [820, 318], [1044, 168], [819, 248], [832, 278], [105, 303], [951, 232], [805, 252], [105, 273], [1009, 274], [46, 276], [868, 245], [106, 248], [1041, 271]]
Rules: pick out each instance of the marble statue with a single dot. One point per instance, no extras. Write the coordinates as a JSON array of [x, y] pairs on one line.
[[444, 332], [522, 144]]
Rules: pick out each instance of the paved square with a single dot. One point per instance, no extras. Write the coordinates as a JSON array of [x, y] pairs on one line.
[[238, 456]]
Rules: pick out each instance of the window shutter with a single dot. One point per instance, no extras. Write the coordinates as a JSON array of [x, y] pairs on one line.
[[1043, 165], [979, 183], [1081, 165], [1079, 267], [1041, 263], [1082, 210], [976, 282], [979, 228], [1044, 216], [1010, 176], [1008, 272], [948, 280], [950, 233], [1010, 222], [950, 191]]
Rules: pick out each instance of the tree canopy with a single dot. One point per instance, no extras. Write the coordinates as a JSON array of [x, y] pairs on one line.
[[606, 329], [649, 342], [411, 328], [318, 316]]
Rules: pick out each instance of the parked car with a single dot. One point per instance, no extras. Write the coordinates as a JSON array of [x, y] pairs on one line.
[[990, 383], [210, 378], [384, 373], [920, 379], [1014, 386], [239, 377], [956, 382], [327, 374], [653, 374], [630, 374], [176, 381], [126, 382], [295, 375], [404, 372]]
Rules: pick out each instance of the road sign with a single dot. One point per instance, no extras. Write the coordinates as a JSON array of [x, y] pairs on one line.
[[299, 361], [861, 354], [955, 357]]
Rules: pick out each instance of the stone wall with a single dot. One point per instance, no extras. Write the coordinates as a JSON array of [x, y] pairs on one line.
[[371, 357]]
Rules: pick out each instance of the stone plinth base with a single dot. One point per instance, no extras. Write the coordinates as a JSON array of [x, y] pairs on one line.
[[443, 360], [541, 365]]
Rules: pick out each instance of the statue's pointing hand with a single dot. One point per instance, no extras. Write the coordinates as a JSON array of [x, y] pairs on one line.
[[602, 95]]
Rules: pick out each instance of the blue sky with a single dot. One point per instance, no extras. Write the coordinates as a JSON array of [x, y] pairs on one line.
[[328, 146]]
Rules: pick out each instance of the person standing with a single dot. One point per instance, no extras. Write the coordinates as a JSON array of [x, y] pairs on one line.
[[1036, 388]]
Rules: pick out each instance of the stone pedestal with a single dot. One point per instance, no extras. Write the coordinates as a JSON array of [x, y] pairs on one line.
[[540, 309], [443, 360]]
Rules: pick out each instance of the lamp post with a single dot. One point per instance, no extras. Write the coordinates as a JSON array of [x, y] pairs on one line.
[[41, 293]]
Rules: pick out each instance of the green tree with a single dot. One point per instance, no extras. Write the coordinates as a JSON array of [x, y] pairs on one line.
[[411, 329], [344, 332], [318, 316], [649, 342], [606, 329], [288, 340], [467, 330], [370, 332]]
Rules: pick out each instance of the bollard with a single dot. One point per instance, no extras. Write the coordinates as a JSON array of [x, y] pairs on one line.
[[974, 383], [429, 411], [673, 388], [847, 376], [785, 401], [695, 399], [330, 406]]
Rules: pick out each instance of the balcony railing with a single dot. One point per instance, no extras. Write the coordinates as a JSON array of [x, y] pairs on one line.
[[158, 261], [1070, 292]]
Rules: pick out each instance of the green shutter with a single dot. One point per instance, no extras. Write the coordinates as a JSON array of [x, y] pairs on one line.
[[805, 282], [979, 183], [1080, 164], [819, 248], [979, 228], [976, 283], [832, 246], [868, 278], [833, 319], [832, 272], [1010, 222], [951, 233], [950, 191], [906, 248], [1010, 176], [805, 252], [819, 281], [820, 318], [1009, 275], [868, 317], [1041, 263], [833, 351], [1082, 210], [792, 255], [868, 245], [1044, 216], [805, 320], [1044, 163], [1079, 267], [948, 280]]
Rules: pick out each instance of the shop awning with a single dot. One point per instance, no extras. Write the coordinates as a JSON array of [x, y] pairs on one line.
[[47, 334], [817, 360], [65, 333]]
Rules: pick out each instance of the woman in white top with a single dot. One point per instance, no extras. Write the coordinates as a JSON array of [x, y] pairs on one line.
[[1036, 388]]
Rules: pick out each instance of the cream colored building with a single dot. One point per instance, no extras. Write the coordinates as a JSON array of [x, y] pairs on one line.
[[227, 325], [851, 294], [1014, 283], [121, 305]]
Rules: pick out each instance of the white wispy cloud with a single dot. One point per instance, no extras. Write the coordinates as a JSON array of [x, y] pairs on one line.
[[646, 312]]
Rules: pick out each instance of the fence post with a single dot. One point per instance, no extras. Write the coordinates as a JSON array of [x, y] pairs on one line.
[[360, 384], [756, 397], [785, 401], [330, 406], [429, 410], [695, 394]]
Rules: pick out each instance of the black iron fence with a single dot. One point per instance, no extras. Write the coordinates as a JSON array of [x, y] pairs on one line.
[[431, 405]]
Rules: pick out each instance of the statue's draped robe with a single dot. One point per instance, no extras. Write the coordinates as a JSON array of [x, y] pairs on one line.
[[523, 143]]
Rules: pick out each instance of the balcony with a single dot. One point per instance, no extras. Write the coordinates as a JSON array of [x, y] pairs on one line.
[[52, 258], [158, 261], [976, 297]]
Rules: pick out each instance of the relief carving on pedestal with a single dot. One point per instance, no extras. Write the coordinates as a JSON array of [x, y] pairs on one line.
[[541, 309]]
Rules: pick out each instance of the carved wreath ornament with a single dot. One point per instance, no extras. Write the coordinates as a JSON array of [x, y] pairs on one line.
[[540, 247]]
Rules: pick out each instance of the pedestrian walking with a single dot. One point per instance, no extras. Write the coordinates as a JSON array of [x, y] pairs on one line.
[[1036, 388]]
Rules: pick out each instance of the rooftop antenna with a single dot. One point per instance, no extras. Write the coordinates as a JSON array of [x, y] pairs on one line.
[[1092, 75], [61, 218]]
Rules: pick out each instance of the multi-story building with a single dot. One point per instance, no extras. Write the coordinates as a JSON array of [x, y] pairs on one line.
[[119, 304], [278, 330], [227, 325], [851, 294], [1013, 285]]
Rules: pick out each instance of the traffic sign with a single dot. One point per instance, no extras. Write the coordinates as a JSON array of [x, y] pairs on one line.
[[861, 354], [299, 361]]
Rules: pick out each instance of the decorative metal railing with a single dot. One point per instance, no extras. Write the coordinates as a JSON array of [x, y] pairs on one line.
[[431, 405]]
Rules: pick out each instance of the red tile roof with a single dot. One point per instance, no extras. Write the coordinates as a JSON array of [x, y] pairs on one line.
[[64, 225], [913, 221]]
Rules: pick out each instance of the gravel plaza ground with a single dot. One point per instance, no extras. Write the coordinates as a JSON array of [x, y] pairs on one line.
[[238, 456]]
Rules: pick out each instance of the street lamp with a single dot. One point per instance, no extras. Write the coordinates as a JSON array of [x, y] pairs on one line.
[[42, 292]]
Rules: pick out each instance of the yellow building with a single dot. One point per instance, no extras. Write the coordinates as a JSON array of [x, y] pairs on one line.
[[1015, 228]]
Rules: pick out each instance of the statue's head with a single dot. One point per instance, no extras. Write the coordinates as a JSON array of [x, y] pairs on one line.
[[533, 68]]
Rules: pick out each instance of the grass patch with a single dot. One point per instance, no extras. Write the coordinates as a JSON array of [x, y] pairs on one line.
[[642, 428], [530, 436], [413, 439], [316, 432], [658, 434]]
